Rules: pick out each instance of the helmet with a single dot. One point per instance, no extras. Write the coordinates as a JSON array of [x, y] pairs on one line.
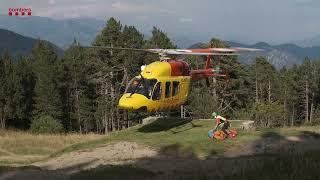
[[214, 114]]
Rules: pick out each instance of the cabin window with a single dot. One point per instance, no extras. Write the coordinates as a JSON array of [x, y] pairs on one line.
[[168, 89], [141, 86], [157, 92], [175, 88]]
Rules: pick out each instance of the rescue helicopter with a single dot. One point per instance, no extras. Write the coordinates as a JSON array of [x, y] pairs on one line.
[[165, 84]]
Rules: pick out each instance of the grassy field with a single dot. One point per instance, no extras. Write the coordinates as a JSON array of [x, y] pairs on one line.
[[17, 147], [191, 139], [187, 136], [182, 139]]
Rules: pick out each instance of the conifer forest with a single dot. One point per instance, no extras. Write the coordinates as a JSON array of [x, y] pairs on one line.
[[79, 90]]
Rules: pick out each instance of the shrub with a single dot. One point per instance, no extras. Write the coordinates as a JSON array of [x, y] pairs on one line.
[[316, 117], [269, 114], [46, 124], [241, 114]]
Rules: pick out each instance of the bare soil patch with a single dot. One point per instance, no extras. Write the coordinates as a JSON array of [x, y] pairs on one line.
[[127, 153]]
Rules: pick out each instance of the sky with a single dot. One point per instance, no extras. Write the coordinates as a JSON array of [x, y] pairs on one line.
[[250, 21]]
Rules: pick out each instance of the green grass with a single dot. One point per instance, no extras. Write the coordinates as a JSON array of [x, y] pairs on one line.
[[184, 138], [170, 136], [165, 133]]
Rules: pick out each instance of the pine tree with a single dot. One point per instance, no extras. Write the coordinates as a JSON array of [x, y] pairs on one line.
[[25, 91], [308, 86], [73, 81], [108, 74], [7, 90], [288, 94], [304, 89], [47, 97], [159, 39], [132, 38], [264, 77], [86, 108]]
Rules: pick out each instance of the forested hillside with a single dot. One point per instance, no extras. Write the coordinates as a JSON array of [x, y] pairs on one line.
[[60, 32], [79, 92], [14, 44]]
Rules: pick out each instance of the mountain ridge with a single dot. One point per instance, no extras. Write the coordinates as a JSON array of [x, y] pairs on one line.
[[84, 30], [16, 44], [280, 55], [59, 32]]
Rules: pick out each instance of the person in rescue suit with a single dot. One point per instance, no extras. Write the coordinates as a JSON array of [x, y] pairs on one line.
[[221, 123]]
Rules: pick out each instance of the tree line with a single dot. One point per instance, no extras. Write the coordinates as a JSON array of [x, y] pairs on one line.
[[79, 91], [269, 96]]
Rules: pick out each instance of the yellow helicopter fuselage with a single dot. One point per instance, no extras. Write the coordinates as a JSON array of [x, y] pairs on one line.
[[161, 86]]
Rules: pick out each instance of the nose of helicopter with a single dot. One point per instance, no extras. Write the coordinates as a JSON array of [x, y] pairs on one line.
[[133, 102]]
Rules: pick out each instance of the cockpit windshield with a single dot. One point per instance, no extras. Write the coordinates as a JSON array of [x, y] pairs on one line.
[[141, 86]]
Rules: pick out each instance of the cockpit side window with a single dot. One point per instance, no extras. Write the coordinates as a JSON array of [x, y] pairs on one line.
[[168, 90], [134, 83], [157, 92], [141, 86]]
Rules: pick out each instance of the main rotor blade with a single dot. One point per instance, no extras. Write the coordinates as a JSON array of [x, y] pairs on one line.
[[116, 48], [208, 51], [246, 49], [199, 52]]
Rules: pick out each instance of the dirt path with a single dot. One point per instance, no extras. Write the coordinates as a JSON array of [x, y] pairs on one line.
[[117, 153], [122, 153], [66, 164]]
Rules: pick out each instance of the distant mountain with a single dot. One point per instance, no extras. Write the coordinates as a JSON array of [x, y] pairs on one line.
[[63, 32], [16, 44], [60, 32], [309, 42], [182, 41], [278, 55]]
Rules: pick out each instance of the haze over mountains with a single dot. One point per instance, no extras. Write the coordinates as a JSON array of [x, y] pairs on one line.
[[279, 55], [308, 42], [63, 32], [59, 32]]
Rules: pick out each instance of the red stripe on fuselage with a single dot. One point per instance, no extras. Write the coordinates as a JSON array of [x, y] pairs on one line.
[[179, 68]]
